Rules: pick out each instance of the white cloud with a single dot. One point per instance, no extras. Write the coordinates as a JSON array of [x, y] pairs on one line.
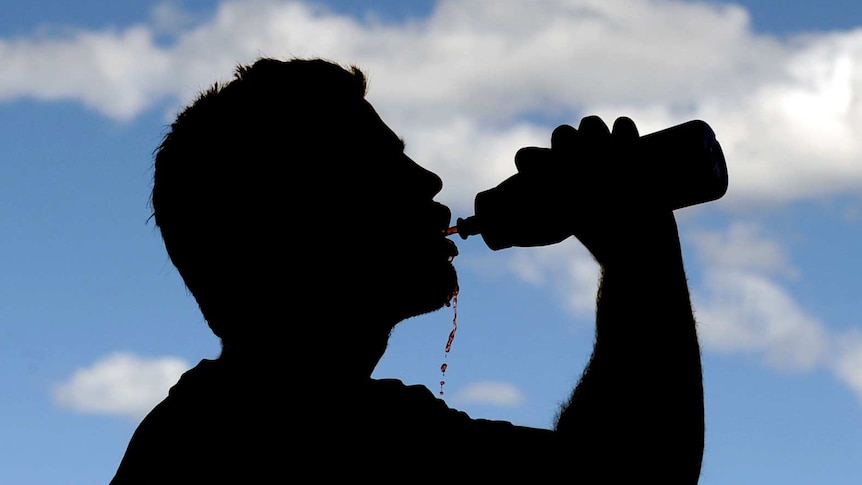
[[460, 81], [743, 308], [798, 137], [566, 268], [847, 362], [492, 393], [742, 246], [169, 18], [746, 312], [115, 73], [121, 384]]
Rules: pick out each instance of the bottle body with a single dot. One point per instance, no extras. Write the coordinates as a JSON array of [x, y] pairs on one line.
[[683, 166]]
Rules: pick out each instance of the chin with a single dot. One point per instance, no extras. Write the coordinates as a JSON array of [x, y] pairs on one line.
[[450, 286], [429, 294]]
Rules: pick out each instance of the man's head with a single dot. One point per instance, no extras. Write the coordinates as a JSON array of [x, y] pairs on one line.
[[266, 190]]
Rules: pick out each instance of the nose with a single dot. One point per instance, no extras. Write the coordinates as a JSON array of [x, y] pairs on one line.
[[428, 183]]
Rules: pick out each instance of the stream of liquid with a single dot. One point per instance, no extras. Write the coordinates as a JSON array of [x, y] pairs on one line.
[[444, 366]]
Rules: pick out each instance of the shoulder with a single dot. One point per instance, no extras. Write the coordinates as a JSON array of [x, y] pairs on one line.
[[395, 389], [416, 408], [164, 434], [412, 425]]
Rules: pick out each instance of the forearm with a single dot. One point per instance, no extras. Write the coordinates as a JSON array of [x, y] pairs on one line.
[[641, 397]]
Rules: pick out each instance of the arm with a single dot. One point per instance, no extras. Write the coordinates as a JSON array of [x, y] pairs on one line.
[[640, 399], [637, 413]]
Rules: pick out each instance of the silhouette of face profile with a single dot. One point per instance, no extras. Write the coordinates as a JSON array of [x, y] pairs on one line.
[[400, 230], [285, 187]]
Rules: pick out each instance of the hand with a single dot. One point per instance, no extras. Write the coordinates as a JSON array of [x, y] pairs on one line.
[[623, 216], [589, 184]]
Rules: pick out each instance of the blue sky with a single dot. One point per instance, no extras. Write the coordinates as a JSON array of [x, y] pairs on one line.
[[95, 324]]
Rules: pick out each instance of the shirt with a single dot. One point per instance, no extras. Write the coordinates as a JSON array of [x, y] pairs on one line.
[[223, 425]]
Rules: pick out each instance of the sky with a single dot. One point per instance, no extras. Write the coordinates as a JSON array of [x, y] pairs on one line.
[[96, 325]]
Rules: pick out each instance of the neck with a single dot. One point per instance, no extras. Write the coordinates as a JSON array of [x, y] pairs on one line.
[[344, 356]]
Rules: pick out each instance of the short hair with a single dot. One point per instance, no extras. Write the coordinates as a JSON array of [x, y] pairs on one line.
[[238, 147]]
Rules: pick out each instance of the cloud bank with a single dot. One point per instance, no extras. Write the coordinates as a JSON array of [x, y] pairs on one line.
[[463, 84]]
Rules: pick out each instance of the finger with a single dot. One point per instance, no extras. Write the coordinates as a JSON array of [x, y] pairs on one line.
[[564, 139], [593, 140], [594, 128], [625, 129], [529, 159], [625, 134]]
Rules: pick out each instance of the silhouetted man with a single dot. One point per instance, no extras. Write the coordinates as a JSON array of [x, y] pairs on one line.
[[264, 191]]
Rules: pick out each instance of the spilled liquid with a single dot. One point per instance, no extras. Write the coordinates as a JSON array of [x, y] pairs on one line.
[[444, 366]]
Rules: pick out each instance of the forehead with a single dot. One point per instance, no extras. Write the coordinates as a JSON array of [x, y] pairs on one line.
[[377, 161], [373, 149], [375, 130]]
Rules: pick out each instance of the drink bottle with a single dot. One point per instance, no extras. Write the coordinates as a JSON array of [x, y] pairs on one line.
[[683, 165]]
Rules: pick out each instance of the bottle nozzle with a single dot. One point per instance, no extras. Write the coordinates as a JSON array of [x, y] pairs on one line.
[[464, 227]]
